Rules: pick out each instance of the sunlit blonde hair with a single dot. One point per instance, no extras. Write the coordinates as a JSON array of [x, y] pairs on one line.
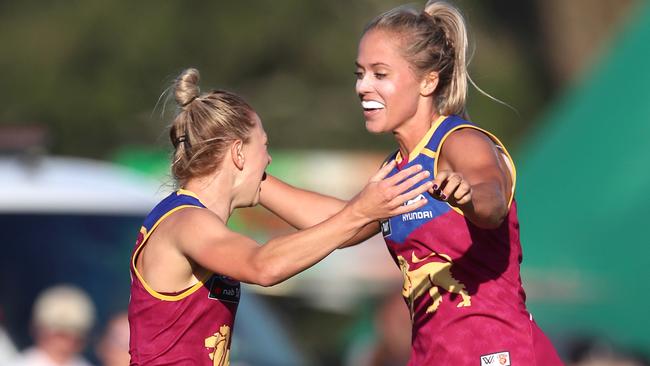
[[204, 126], [434, 39]]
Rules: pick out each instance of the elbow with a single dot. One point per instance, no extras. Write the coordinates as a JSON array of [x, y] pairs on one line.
[[492, 219], [491, 223], [267, 275]]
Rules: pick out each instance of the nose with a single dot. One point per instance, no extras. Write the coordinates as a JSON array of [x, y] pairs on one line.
[[270, 159], [362, 86]]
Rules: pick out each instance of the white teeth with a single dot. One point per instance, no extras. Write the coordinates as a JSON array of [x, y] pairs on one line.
[[371, 104]]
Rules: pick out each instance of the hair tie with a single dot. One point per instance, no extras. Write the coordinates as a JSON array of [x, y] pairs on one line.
[[179, 139], [189, 101]]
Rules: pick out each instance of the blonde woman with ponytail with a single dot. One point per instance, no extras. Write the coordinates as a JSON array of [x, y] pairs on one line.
[[187, 265], [460, 252]]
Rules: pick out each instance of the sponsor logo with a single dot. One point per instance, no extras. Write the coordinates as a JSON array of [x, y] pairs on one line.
[[412, 201], [385, 227], [224, 288], [496, 359], [416, 215]]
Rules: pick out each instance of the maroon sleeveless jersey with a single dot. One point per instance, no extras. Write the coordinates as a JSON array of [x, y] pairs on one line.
[[192, 327], [462, 283]]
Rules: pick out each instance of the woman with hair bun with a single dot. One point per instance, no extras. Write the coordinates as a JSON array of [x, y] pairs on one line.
[[460, 252], [187, 265]]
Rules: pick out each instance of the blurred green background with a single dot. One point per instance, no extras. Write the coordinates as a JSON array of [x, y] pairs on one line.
[[88, 79]]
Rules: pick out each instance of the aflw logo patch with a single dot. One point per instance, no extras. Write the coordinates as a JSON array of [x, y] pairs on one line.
[[385, 227], [496, 359]]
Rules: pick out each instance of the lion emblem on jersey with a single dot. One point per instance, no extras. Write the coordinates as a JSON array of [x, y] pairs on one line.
[[219, 345], [432, 276]]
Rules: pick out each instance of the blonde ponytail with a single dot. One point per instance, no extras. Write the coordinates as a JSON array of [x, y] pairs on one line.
[[453, 99], [203, 126]]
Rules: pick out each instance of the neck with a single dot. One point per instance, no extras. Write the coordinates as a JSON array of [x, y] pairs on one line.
[[58, 351], [411, 132], [215, 192]]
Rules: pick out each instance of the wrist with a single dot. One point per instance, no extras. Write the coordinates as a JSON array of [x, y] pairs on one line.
[[355, 215]]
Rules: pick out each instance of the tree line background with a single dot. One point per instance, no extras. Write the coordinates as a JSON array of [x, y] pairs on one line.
[[92, 72]]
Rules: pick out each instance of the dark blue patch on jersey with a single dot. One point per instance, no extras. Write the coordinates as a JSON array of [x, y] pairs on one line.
[[403, 225], [224, 288]]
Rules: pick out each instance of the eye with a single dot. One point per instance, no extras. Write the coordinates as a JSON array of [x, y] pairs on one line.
[[358, 75], [380, 75]]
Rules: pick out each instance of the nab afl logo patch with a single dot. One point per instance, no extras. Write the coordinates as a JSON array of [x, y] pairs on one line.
[[224, 288], [385, 227], [496, 359]]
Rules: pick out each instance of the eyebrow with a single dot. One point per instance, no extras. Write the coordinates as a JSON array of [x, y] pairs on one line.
[[372, 65]]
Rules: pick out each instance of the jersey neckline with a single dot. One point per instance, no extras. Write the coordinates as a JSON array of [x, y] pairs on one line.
[[422, 143]]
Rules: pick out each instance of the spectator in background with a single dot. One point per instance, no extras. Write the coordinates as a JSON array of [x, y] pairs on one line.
[[593, 351], [7, 348], [62, 317], [391, 340], [113, 347]]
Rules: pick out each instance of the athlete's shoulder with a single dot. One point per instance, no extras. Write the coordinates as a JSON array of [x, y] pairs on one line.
[[195, 218], [169, 204], [454, 121]]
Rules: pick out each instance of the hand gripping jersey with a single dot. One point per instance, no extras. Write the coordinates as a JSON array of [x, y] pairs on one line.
[[191, 327], [461, 282]]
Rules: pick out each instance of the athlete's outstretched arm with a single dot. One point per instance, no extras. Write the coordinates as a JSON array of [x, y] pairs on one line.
[[298, 207], [473, 176], [206, 240], [302, 208]]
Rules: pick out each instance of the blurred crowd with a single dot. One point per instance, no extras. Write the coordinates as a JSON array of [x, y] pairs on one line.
[[62, 319], [64, 315]]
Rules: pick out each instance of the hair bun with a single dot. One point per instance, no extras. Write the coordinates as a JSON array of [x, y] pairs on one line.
[[187, 86]]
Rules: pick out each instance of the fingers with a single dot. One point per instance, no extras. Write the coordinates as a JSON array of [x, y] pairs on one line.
[[450, 186], [401, 208], [440, 178], [463, 193], [408, 183], [403, 174], [383, 172]]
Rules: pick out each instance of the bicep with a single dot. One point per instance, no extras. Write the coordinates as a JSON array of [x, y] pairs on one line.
[[475, 156], [208, 242]]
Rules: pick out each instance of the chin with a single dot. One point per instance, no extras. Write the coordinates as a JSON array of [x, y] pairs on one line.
[[374, 127]]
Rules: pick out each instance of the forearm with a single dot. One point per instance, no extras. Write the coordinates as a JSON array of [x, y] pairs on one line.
[[364, 234], [488, 206], [287, 255], [300, 208]]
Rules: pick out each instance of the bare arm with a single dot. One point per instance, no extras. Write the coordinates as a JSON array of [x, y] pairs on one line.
[[207, 241], [302, 208], [299, 207], [473, 177]]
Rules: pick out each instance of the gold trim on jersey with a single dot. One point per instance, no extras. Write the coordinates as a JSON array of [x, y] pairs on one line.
[[187, 192], [149, 289], [511, 165], [421, 146], [430, 153]]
